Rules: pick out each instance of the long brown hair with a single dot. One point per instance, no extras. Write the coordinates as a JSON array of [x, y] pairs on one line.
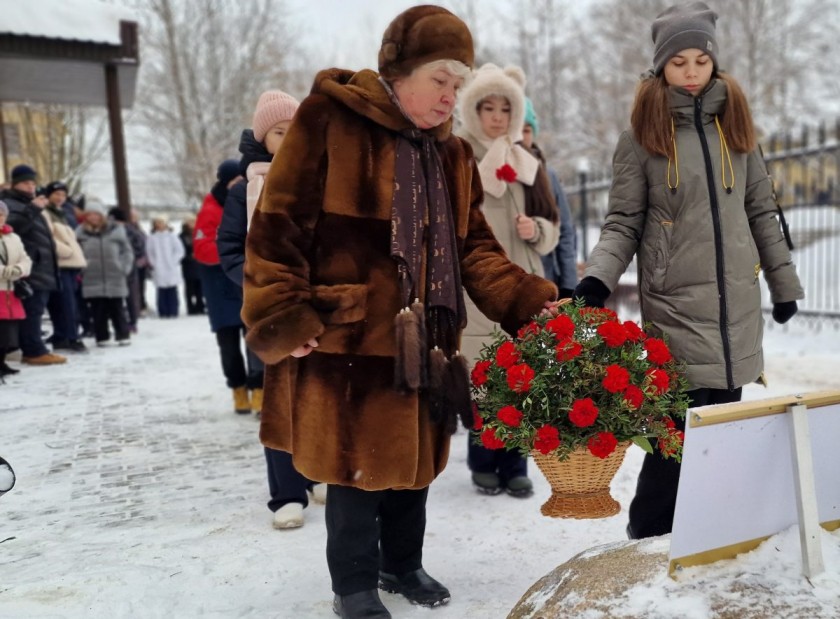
[[651, 116], [539, 198]]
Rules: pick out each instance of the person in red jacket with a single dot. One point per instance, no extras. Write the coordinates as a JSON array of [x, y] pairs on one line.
[[223, 297], [14, 265]]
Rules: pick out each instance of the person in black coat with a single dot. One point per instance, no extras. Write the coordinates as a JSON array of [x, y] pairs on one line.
[[27, 219], [275, 109], [138, 247], [189, 270]]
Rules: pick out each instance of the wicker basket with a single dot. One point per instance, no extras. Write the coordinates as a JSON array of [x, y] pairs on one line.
[[580, 486]]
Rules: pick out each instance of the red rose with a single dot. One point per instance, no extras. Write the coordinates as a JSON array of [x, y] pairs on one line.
[[675, 439], [478, 422], [568, 350], [590, 314], [583, 413], [479, 373], [507, 355], [506, 173], [657, 351], [634, 397], [607, 313], [617, 379], [602, 444], [519, 377], [509, 416], [613, 334], [489, 440], [528, 329], [658, 380], [634, 331], [548, 439], [561, 326]]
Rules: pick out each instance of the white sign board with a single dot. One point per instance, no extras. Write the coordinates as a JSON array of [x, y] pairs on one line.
[[737, 483]]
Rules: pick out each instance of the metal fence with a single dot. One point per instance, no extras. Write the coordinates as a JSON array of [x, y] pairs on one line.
[[805, 168]]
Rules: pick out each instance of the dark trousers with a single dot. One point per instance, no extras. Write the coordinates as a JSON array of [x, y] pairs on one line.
[[167, 302], [31, 340], [132, 301], [193, 295], [142, 276], [230, 340], [285, 484], [62, 308], [652, 509], [372, 530], [507, 464], [106, 309]]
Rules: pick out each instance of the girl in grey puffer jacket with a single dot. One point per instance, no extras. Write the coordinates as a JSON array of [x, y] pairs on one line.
[[692, 200]]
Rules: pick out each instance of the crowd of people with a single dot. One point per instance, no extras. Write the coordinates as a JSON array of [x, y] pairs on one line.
[[83, 266], [371, 238]]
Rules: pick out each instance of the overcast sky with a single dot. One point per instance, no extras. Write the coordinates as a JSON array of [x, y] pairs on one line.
[[344, 33]]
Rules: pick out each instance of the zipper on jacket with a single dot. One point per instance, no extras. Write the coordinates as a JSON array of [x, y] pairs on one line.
[[713, 202]]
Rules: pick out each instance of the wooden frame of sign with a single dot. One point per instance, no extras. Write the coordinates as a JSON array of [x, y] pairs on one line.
[[753, 469]]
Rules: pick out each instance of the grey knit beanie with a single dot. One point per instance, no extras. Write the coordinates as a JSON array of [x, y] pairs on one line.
[[685, 26]]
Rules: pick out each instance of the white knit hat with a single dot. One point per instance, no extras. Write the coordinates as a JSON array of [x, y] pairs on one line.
[[490, 80], [272, 107]]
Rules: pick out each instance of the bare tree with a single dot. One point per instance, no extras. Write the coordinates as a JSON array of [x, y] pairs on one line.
[[781, 52], [204, 65], [61, 141]]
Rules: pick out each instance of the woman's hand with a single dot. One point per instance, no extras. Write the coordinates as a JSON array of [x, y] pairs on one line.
[[526, 228], [302, 351], [550, 307]]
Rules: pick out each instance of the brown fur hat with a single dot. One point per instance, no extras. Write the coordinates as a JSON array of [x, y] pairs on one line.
[[420, 35]]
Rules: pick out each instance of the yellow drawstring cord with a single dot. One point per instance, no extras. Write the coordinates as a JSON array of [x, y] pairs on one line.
[[725, 148], [673, 188]]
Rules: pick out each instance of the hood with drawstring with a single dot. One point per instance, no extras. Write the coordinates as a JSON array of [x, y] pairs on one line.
[[703, 225]]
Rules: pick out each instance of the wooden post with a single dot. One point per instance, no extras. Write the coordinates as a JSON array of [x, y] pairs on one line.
[[115, 123], [806, 494], [3, 145]]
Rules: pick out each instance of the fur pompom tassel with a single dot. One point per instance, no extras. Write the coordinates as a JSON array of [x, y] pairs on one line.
[[458, 392], [419, 312], [407, 360], [438, 369], [399, 363]]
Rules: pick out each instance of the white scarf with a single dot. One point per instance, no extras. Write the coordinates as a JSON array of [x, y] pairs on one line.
[[503, 151], [256, 179]]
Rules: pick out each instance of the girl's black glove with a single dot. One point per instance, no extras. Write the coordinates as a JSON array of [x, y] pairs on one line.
[[593, 292], [782, 312]]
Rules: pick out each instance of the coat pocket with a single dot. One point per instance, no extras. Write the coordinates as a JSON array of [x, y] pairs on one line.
[[661, 256], [340, 304], [342, 309]]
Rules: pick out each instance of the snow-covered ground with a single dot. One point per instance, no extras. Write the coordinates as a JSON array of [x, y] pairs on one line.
[[141, 494]]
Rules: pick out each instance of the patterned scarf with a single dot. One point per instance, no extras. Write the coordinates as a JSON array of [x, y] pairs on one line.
[[421, 199]]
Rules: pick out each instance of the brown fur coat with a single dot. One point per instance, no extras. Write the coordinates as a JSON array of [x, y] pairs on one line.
[[318, 266]]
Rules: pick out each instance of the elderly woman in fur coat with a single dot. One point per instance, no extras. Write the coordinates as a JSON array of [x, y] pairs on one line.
[[367, 232]]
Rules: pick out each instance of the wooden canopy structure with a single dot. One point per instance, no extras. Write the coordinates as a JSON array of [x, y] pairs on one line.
[[78, 52]]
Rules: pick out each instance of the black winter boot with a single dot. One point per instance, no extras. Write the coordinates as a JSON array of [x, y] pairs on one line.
[[5, 370], [417, 587], [362, 605]]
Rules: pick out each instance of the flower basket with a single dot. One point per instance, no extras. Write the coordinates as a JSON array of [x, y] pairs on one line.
[[576, 388], [580, 485]]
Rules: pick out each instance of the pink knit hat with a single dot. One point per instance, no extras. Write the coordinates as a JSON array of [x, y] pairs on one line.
[[272, 107]]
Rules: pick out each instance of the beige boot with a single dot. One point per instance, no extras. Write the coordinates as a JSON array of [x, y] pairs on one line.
[[257, 401], [240, 401]]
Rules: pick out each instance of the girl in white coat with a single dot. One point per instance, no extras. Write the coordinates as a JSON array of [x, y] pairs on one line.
[[519, 206], [165, 252]]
